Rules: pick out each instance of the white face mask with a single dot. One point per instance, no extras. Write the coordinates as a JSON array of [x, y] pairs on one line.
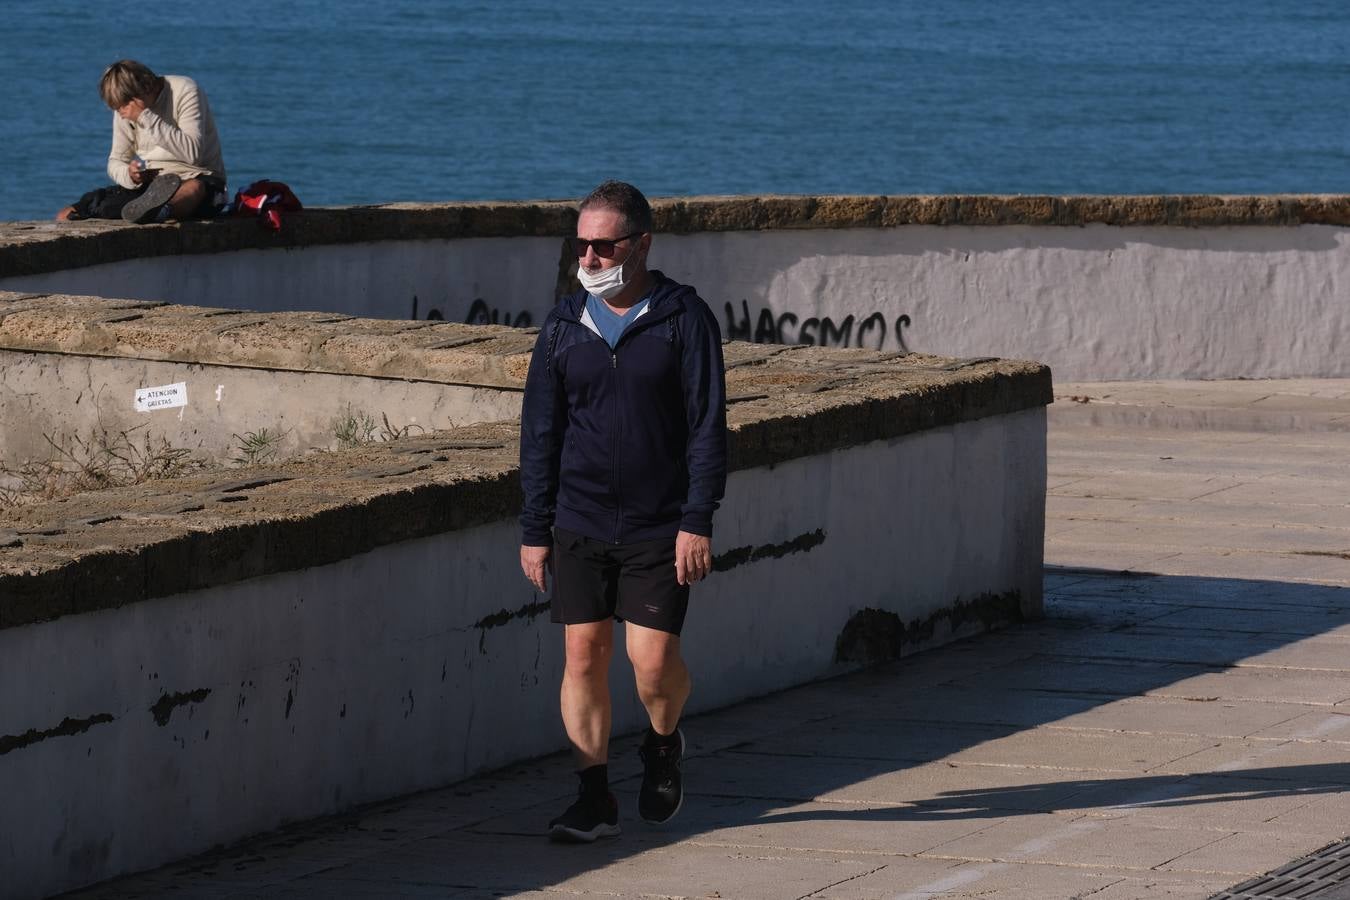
[[607, 283]]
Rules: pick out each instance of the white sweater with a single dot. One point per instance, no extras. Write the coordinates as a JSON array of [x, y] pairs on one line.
[[177, 134]]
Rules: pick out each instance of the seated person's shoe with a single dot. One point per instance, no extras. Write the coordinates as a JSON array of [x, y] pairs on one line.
[[159, 191], [662, 792], [590, 817]]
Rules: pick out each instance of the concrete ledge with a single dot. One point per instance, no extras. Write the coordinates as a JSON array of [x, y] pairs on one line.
[[489, 356], [35, 248]]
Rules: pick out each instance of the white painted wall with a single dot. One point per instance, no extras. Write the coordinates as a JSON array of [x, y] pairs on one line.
[[375, 279], [367, 678], [66, 395], [1094, 302]]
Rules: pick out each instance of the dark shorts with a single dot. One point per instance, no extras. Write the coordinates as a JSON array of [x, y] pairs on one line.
[[593, 580], [107, 202]]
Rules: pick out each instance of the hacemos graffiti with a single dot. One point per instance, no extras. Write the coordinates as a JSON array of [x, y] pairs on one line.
[[873, 330]]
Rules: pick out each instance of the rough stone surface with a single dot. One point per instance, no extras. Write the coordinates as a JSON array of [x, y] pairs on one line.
[[489, 355], [31, 248], [119, 546]]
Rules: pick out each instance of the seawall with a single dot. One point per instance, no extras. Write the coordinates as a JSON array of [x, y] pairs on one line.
[[1100, 288]]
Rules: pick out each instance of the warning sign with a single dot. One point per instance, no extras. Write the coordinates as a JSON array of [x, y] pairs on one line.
[[164, 397]]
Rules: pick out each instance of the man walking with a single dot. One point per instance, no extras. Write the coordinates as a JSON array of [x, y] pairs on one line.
[[622, 463]]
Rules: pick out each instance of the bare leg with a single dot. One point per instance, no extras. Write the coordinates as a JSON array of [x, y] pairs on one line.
[[663, 682], [187, 199], [585, 690]]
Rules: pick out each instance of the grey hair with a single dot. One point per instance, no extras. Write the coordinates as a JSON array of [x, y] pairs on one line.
[[624, 199]]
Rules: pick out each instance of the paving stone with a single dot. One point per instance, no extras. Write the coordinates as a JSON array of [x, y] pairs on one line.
[[1106, 557], [1246, 854], [1256, 566], [1152, 641], [1296, 490], [1313, 764], [1322, 623], [1227, 537], [1092, 612], [1311, 726], [790, 778], [949, 704], [1109, 676], [1227, 593], [154, 886], [1148, 486], [1086, 750], [1162, 715], [332, 889], [930, 791], [1326, 653], [1280, 685], [1244, 458], [1160, 886], [680, 870], [881, 740], [944, 879], [1220, 802], [1083, 841], [1216, 511], [844, 828], [700, 814], [1328, 813]]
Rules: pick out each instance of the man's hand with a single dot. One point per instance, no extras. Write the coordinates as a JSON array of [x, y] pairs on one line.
[[693, 557], [137, 173], [535, 563], [132, 110]]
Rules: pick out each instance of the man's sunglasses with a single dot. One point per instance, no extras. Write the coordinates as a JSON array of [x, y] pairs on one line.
[[603, 249]]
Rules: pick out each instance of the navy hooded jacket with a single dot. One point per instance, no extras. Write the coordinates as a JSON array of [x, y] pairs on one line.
[[628, 444]]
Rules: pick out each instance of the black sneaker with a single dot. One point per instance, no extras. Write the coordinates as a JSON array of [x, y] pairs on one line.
[[145, 207], [586, 819], [662, 792]]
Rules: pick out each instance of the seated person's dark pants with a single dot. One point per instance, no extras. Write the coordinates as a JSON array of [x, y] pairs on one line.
[[107, 202]]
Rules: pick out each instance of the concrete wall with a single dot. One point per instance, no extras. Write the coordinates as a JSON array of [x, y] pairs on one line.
[[359, 279], [1097, 301], [60, 395], [139, 734]]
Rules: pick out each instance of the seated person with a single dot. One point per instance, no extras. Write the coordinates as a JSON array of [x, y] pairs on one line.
[[165, 153]]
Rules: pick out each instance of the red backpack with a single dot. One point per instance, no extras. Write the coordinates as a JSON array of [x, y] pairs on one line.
[[267, 200]]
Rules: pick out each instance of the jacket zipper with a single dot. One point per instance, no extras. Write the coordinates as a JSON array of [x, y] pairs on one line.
[[615, 467]]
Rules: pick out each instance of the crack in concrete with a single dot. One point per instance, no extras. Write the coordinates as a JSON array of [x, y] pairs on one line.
[[503, 616], [167, 703], [817, 891], [68, 726], [739, 556]]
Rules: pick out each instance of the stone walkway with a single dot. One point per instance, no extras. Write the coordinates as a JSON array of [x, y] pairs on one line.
[[1178, 723]]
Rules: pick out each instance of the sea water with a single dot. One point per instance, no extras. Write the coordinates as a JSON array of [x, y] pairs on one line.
[[417, 100]]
